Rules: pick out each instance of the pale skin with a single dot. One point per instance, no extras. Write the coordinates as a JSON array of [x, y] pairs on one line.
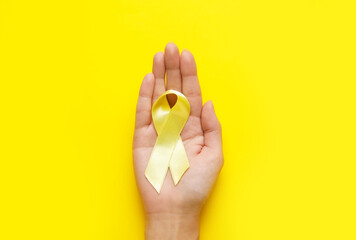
[[174, 213]]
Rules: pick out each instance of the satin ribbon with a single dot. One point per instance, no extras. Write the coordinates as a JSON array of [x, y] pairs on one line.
[[168, 151]]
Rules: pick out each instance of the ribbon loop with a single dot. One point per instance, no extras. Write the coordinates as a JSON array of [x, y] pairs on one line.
[[168, 151]]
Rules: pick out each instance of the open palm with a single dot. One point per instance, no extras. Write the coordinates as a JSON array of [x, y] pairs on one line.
[[201, 136]]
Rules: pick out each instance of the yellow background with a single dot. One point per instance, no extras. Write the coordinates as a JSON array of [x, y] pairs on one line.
[[282, 77]]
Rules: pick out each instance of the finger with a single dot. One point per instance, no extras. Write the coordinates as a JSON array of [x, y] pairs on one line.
[[144, 103], [159, 71], [211, 127], [190, 82], [174, 80]]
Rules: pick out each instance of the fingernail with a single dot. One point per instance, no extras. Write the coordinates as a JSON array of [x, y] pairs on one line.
[[186, 49]]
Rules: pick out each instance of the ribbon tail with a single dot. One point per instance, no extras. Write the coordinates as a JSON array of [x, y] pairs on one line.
[[157, 167], [179, 162]]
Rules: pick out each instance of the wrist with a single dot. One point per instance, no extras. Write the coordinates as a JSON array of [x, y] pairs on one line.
[[172, 226]]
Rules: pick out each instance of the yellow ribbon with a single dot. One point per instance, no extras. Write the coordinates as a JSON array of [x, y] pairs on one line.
[[168, 151]]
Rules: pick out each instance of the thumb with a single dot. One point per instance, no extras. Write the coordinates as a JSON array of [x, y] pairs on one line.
[[211, 126]]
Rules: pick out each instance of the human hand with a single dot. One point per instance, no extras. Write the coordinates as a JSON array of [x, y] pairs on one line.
[[174, 213]]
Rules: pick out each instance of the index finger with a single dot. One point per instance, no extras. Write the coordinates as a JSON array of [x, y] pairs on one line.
[[191, 87]]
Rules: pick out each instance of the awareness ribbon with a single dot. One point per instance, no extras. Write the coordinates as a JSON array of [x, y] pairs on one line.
[[168, 151]]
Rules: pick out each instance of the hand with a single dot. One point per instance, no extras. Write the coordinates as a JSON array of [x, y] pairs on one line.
[[174, 213]]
